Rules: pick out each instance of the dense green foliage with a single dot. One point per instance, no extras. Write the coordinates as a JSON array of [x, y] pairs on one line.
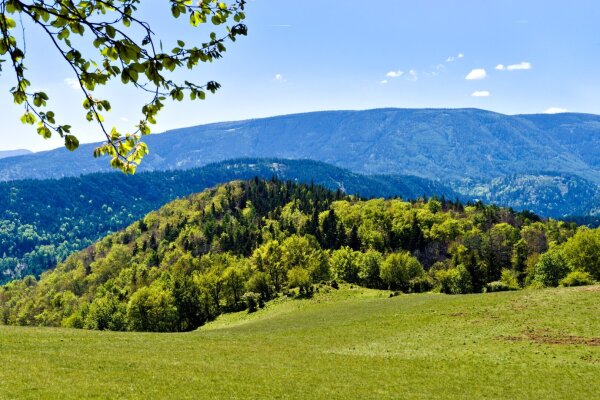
[[241, 244], [104, 41], [42, 222], [340, 344]]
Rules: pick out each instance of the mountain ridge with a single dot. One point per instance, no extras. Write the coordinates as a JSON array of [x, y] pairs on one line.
[[431, 143], [14, 153]]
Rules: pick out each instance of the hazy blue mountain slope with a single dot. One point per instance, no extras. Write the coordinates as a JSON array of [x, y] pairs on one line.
[[437, 144], [13, 153], [578, 133], [551, 195]]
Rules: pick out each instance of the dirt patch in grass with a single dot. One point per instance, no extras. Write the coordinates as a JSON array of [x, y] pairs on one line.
[[591, 359], [544, 336], [589, 289]]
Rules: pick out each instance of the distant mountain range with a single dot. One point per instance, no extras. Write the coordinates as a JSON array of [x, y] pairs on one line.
[[437, 144], [13, 153], [549, 163]]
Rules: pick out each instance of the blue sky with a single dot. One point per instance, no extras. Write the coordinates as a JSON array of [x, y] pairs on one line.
[[323, 55]]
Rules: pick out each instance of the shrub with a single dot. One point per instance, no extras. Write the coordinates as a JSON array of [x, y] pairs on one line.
[[259, 283], [464, 284], [105, 313], [76, 320], [300, 278], [448, 280], [152, 309], [421, 284], [344, 264], [253, 301], [399, 269], [498, 286], [439, 266], [509, 279], [583, 251], [369, 268], [577, 278], [551, 268]]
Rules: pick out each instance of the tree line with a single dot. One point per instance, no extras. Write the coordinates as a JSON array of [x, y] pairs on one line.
[[239, 245], [41, 223]]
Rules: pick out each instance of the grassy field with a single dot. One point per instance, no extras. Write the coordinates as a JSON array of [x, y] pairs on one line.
[[351, 343]]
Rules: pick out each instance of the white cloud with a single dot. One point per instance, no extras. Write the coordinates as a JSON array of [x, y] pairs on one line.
[[383, 82], [454, 58], [279, 78], [520, 66], [514, 67], [73, 83], [481, 93], [412, 75], [555, 110], [476, 74], [394, 74]]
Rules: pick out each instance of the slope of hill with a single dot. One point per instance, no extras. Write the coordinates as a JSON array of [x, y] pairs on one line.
[[342, 344], [550, 195], [437, 144], [578, 133], [239, 245], [13, 153], [42, 222]]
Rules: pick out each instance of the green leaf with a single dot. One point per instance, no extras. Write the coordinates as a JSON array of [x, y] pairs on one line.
[[71, 142], [28, 118], [44, 131]]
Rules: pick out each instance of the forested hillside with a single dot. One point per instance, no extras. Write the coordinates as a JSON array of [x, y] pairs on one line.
[[578, 133], [550, 195], [42, 222], [241, 244]]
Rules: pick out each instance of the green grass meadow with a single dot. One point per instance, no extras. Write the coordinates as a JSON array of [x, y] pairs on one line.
[[347, 343]]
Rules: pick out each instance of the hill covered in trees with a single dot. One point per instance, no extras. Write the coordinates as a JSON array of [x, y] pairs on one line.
[[550, 195], [241, 244], [42, 222]]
